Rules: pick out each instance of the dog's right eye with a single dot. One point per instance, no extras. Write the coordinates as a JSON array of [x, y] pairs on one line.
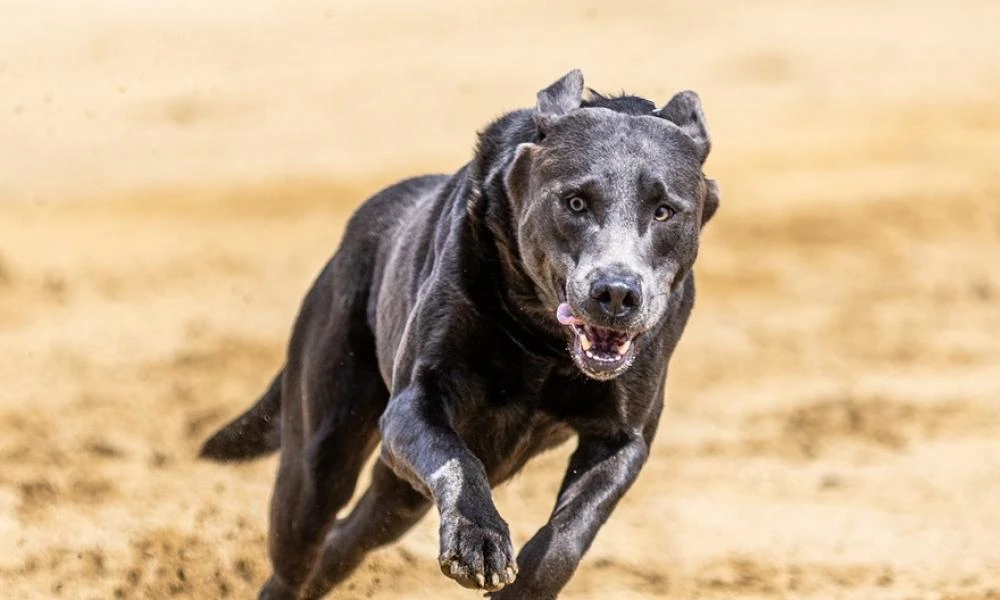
[[576, 204]]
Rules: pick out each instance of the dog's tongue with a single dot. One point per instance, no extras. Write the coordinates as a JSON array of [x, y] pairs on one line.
[[565, 315]]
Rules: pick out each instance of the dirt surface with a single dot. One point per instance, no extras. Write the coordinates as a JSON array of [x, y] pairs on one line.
[[174, 174]]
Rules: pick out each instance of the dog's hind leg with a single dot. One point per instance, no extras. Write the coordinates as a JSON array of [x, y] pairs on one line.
[[312, 488], [388, 509], [333, 397]]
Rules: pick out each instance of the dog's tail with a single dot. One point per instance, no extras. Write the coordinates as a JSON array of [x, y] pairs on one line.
[[254, 434]]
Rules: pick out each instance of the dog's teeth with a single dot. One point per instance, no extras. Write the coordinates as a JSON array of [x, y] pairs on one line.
[[585, 342], [624, 346]]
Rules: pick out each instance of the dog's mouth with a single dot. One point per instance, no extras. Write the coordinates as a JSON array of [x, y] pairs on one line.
[[600, 352]]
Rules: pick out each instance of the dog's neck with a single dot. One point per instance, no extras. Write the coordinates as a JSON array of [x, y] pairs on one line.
[[507, 289]]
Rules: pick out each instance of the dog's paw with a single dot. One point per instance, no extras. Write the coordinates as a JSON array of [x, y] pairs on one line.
[[477, 553]]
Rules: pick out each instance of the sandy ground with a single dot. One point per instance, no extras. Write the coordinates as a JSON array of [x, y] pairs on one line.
[[173, 175]]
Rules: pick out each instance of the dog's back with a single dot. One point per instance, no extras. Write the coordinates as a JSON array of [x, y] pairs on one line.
[[257, 432]]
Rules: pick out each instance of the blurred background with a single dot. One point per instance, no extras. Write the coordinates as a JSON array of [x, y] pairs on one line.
[[174, 174]]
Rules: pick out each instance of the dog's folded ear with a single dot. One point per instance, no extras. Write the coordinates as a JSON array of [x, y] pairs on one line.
[[518, 177], [559, 98], [684, 110], [712, 198]]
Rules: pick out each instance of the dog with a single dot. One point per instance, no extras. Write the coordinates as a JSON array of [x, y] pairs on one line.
[[467, 323]]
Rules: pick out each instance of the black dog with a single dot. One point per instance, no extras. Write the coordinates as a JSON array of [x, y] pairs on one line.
[[469, 322]]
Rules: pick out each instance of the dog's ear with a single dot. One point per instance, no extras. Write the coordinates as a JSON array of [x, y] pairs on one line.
[[518, 177], [684, 110], [712, 198], [559, 98]]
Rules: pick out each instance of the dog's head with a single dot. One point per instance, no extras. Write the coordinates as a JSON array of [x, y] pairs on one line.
[[609, 206]]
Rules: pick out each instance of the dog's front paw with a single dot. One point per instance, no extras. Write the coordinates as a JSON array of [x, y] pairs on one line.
[[477, 551]]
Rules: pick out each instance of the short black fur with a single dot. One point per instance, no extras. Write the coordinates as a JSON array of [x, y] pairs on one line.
[[463, 324]]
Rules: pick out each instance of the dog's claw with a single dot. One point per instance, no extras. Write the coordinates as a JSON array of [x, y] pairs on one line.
[[511, 574], [477, 556]]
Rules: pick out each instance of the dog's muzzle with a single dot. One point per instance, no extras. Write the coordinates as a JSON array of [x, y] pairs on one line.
[[600, 352]]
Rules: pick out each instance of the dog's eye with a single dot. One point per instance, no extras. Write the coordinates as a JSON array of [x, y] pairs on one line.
[[576, 204], [663, 213]]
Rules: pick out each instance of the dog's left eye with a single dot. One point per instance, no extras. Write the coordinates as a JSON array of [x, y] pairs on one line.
[[576, 204], [663, 213]]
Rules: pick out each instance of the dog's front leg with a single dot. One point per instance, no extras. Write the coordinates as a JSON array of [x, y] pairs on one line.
[[600, 472], [421, 446]]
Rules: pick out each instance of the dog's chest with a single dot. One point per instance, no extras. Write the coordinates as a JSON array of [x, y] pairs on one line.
[[505, 439]]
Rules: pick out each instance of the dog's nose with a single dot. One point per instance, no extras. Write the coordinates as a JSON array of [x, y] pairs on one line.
[[617, 296]]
